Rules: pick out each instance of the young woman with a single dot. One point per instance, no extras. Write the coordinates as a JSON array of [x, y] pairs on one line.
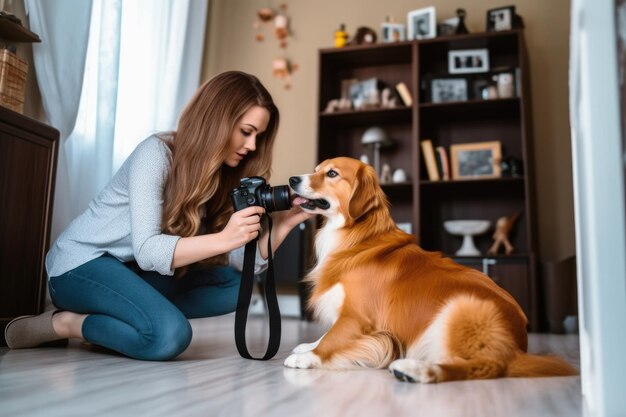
[[160, 244]]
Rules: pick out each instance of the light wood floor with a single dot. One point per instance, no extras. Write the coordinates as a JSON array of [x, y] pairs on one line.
[[210, 379]]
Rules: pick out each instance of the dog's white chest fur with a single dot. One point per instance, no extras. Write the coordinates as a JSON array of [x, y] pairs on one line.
[[327, 239], [329, 304]]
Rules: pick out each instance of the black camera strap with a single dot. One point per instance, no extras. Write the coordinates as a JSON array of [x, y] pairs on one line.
[[245, 295]]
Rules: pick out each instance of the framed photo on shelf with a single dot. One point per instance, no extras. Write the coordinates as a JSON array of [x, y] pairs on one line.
[[445, 90], [448, 26], [422, 23], [468, 61], [363, 93], [476, 160], [501, 18], [392, 32]]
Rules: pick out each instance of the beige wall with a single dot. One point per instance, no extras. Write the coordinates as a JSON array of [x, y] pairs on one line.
[[231, 45]]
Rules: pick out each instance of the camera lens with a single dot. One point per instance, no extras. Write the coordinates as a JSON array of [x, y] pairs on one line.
[[275, 198]]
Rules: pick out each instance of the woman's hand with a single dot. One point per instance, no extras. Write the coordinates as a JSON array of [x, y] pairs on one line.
[[243, 226]]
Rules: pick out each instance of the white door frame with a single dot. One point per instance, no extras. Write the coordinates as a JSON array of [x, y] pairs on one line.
[[598, 162]]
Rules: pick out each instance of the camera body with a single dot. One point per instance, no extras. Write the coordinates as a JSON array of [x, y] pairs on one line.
[[254, 191]]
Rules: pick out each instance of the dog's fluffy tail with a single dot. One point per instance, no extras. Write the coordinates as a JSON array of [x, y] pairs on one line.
[[525, 365]]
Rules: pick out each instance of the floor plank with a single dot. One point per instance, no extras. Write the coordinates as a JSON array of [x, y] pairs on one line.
[[210, 379]]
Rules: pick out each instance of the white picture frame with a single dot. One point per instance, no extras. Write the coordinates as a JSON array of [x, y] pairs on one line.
[[468, 61], [392, 32], [422, 23]]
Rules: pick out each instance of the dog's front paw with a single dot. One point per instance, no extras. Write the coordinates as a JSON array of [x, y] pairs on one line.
[[305, 360], [412, 370]]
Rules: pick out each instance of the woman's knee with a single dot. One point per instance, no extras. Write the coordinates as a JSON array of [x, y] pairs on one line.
[[168, 339]]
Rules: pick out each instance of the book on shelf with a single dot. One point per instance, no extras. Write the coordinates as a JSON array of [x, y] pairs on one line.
[[404, 93], [429, 158], [442, 162]]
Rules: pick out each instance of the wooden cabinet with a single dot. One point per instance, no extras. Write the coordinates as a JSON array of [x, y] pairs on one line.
[[28, 155], [513, 273], [426, 204]]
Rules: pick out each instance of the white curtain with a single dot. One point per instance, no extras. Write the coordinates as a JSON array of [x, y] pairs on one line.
[[160, 62], [90, 146], [63, 26], [143, 65]]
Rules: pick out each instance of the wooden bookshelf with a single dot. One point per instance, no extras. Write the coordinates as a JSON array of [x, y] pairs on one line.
[[427, 204]]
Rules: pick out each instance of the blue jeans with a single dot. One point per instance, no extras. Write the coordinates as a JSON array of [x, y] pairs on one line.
[[142, 314]]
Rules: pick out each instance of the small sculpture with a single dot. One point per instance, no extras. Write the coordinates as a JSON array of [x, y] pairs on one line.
[[341, 36], [332, 106], [506, 87], [385, 174], [461, 29], [338, 104], [511, 166], [501, 235], [388, 100], [399, 176], [364, 36]]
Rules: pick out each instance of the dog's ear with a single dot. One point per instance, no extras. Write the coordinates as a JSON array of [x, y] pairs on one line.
[[364, 195]]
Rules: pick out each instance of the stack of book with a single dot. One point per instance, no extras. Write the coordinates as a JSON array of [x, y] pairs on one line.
[[437, 161]]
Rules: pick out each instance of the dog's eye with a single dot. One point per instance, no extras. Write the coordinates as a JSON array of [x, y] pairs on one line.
[[332, 173]]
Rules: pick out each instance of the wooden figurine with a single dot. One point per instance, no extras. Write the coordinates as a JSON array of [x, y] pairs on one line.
[[501, 235]]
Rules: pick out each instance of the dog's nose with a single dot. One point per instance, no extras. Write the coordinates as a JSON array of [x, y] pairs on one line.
[[293, 181]]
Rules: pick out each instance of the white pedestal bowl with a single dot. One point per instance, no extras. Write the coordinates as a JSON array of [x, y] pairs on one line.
[[468, 229]]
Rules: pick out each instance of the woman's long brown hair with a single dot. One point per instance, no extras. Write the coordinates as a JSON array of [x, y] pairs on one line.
[[197, 190]]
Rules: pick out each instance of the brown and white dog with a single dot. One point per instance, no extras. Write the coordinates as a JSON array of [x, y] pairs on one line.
[[392, 304]]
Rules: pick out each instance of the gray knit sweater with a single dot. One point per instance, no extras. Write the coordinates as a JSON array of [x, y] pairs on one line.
[[124, 220]]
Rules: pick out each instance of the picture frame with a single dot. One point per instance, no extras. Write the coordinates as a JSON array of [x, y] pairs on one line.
[[445, 90], [468, 61], [448, 27], [422, 23], [392, 32], [476, 160], [501, 18], [363, 92]]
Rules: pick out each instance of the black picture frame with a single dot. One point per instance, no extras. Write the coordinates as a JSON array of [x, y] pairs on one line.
[[501, 18]]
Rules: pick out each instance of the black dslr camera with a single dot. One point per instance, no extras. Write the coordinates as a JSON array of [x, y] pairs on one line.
[[254, 191]]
